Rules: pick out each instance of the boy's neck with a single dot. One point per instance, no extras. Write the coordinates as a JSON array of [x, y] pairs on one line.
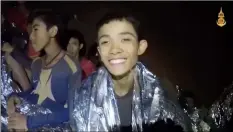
[[52, 49], [77, 56], [122, 85]]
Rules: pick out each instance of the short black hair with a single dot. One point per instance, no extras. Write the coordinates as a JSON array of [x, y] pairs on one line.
[[120, 16], [183, 99], [91, 55], [92, 50], [188, 94], [50, 18], [78, 35]]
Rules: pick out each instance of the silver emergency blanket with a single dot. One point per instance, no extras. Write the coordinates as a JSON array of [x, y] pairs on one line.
[[95, 107], [222, 109], [28, 109], [198, 124], [24, 107], [6, 90]]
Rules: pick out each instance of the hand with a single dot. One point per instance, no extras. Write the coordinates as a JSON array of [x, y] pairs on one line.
[[17, 121], [11, 104], [10, 108], [7, 47], [8, 56]]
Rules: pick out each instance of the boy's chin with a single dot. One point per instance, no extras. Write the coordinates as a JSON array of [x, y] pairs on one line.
[[117, 75], [71, 54], [121, 73]]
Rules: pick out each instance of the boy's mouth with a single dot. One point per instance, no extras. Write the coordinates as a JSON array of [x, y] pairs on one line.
[[117, 61]]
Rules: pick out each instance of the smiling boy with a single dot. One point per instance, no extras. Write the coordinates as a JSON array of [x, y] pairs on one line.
[[123, 92]]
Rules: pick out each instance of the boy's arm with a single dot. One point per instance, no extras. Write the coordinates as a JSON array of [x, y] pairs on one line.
[[24, 94], [21, 58], [19, 73]]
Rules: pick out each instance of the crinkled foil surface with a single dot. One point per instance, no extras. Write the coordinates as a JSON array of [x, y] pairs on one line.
[[198, 125], [222, 109], [6, 89], [96, 109]]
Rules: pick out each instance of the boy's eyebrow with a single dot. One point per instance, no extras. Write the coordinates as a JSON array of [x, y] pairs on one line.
[[35, 25], [122, 33], [104, 35], [128, 33]]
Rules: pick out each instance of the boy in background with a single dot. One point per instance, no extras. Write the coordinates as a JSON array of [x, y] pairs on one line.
[[53, 77]]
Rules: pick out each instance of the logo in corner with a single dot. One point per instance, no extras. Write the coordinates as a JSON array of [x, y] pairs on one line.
[[221, 21]]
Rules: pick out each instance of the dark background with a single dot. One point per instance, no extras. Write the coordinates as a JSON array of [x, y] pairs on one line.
[[185, 43]]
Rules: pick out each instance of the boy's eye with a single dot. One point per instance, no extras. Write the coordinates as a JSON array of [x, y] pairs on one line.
[[103, 42], [126, 40]]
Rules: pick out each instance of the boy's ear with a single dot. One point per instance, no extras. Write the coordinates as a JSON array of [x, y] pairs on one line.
[[98, 49], [98, 54], [53, 31], [142, 47], [81, 46]]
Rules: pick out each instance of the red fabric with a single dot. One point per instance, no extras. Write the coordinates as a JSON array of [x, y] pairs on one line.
[[87, 66], [31, 52], [19, 18]]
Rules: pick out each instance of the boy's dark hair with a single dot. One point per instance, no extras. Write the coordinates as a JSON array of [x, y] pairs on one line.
[[188, 94], [183, 99], [120, 16], [50, 18], [91, 55], [78, 35]]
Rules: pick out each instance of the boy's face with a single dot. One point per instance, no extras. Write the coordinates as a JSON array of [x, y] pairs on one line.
[[73, 46], [40, 36], [119, 47], [190, 102]]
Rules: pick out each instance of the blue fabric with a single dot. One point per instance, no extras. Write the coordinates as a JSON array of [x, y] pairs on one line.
[[54, 119], [62, 81]]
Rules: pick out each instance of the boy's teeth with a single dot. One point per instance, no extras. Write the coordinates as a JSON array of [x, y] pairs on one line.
[[117, 61]]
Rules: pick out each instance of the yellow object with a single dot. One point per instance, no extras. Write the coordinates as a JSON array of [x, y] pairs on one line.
[[44, 86], [221, 21]]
